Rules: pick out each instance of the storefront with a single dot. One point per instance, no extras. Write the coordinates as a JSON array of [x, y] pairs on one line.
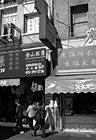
[[74, 85], [22, 76]]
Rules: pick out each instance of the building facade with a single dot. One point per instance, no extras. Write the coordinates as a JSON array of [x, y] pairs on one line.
[[73, 85], [25, 60]]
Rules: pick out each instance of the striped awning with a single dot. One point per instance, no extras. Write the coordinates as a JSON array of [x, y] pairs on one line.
[[61, 85], [10, 82]]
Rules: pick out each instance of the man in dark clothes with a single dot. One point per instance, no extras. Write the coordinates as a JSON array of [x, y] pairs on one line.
[[40, 119], [19, 116]]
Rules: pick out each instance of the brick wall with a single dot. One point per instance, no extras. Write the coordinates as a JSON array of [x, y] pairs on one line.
[[61, 14]]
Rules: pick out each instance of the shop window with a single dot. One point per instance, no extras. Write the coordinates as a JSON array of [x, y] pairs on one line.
[[79, 20], [31, 24]]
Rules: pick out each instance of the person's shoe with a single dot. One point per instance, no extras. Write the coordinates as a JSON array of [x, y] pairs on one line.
[[34, 134], [21, 132], [43, 136]]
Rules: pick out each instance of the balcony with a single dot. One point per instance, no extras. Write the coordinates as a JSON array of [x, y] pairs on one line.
[[10, 36]]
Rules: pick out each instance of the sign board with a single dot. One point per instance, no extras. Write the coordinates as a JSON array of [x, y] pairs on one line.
[[23, 63], [8, 82], [77, 60], [47, 32], [61, 85], [41, 6], [33, 62]]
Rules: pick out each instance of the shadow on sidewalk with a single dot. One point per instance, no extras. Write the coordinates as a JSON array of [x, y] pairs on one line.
[[7, 132], [50, 133]]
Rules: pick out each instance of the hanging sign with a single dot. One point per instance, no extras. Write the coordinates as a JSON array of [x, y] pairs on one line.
[[41, 6], [47, 32]]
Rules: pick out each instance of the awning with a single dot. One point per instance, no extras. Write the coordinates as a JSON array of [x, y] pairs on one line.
[[10, 82], [61, 85]]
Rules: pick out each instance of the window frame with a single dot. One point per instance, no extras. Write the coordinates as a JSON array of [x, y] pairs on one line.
[[8, 15], [26, 16], [79, 9]]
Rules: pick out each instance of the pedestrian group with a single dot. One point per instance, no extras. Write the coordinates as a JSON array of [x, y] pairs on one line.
[[35, 111]]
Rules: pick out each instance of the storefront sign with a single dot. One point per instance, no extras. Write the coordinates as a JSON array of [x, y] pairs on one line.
[[36, 86], [23, 63], [84, 86], [10, 82], [34, 62], [77, 60], [41, 6], [47, 32], [60, 85]]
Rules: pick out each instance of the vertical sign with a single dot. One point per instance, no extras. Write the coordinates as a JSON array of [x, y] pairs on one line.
[[41, 6], [47, 32]]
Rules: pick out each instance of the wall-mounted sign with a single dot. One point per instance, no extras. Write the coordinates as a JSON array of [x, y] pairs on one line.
[[23, 63], [34, 62], [77, 60], [8, 82], [41, 6], [47, 32], [91, 36], [36, 86]]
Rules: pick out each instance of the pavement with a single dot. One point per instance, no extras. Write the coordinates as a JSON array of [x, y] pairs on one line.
[[55, 136], [7, 133]]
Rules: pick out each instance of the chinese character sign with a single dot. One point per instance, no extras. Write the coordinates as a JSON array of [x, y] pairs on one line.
[[23, 63], [34, 62], [77, 60]]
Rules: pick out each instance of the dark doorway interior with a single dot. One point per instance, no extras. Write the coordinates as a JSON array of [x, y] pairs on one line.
[[7, 104], [84, 103]]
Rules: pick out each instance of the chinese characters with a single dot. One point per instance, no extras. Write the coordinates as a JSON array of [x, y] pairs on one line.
[[78, 58], [35, 62]]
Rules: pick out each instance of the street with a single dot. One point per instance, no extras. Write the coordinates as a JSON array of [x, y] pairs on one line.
[[7, 133]]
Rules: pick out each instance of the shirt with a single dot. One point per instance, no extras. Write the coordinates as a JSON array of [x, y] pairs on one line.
[[30, 111], [19, 111]]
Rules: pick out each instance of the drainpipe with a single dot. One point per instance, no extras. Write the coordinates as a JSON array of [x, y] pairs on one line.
[[61, 127]]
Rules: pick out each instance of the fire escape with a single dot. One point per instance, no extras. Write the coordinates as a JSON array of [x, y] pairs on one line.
[[10, 36]]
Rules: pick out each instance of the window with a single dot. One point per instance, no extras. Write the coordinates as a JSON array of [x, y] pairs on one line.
[[31, 24], [10, 16], [10, 19], [79, 20]]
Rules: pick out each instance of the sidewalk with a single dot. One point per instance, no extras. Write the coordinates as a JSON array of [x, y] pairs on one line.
[[7, 133], [55, 136]]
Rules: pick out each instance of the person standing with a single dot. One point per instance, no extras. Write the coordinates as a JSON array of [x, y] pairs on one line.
[[49, 115], [40, 119], [19, 116], [31, 114]]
